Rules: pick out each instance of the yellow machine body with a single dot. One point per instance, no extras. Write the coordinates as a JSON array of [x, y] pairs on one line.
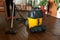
[[32, 22]]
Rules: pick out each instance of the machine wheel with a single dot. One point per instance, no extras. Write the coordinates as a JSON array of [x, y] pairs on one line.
[[43, 28], [33, 29], [39, 29]]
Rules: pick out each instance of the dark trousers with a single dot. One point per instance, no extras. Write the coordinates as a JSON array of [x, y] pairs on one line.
[[8, 3]]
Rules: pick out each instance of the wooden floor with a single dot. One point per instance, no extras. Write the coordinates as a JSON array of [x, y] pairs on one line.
[[52, 32]]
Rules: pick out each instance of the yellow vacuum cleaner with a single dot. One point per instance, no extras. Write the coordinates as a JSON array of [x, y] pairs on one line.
[[35, 20]]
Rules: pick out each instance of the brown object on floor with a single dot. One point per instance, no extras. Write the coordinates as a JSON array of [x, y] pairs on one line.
[[52, 8], [3, 8], [44, 11]]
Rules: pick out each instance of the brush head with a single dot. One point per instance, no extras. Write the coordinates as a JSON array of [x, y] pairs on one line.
[[11, 32]]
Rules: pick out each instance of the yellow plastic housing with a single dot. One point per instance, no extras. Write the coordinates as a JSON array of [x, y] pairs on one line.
[[34, 22], [40, 21]]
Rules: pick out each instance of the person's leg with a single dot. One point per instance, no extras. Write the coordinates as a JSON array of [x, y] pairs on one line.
[[8, 8]]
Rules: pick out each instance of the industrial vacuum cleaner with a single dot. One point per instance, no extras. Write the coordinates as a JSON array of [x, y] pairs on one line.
[[35, 20]]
